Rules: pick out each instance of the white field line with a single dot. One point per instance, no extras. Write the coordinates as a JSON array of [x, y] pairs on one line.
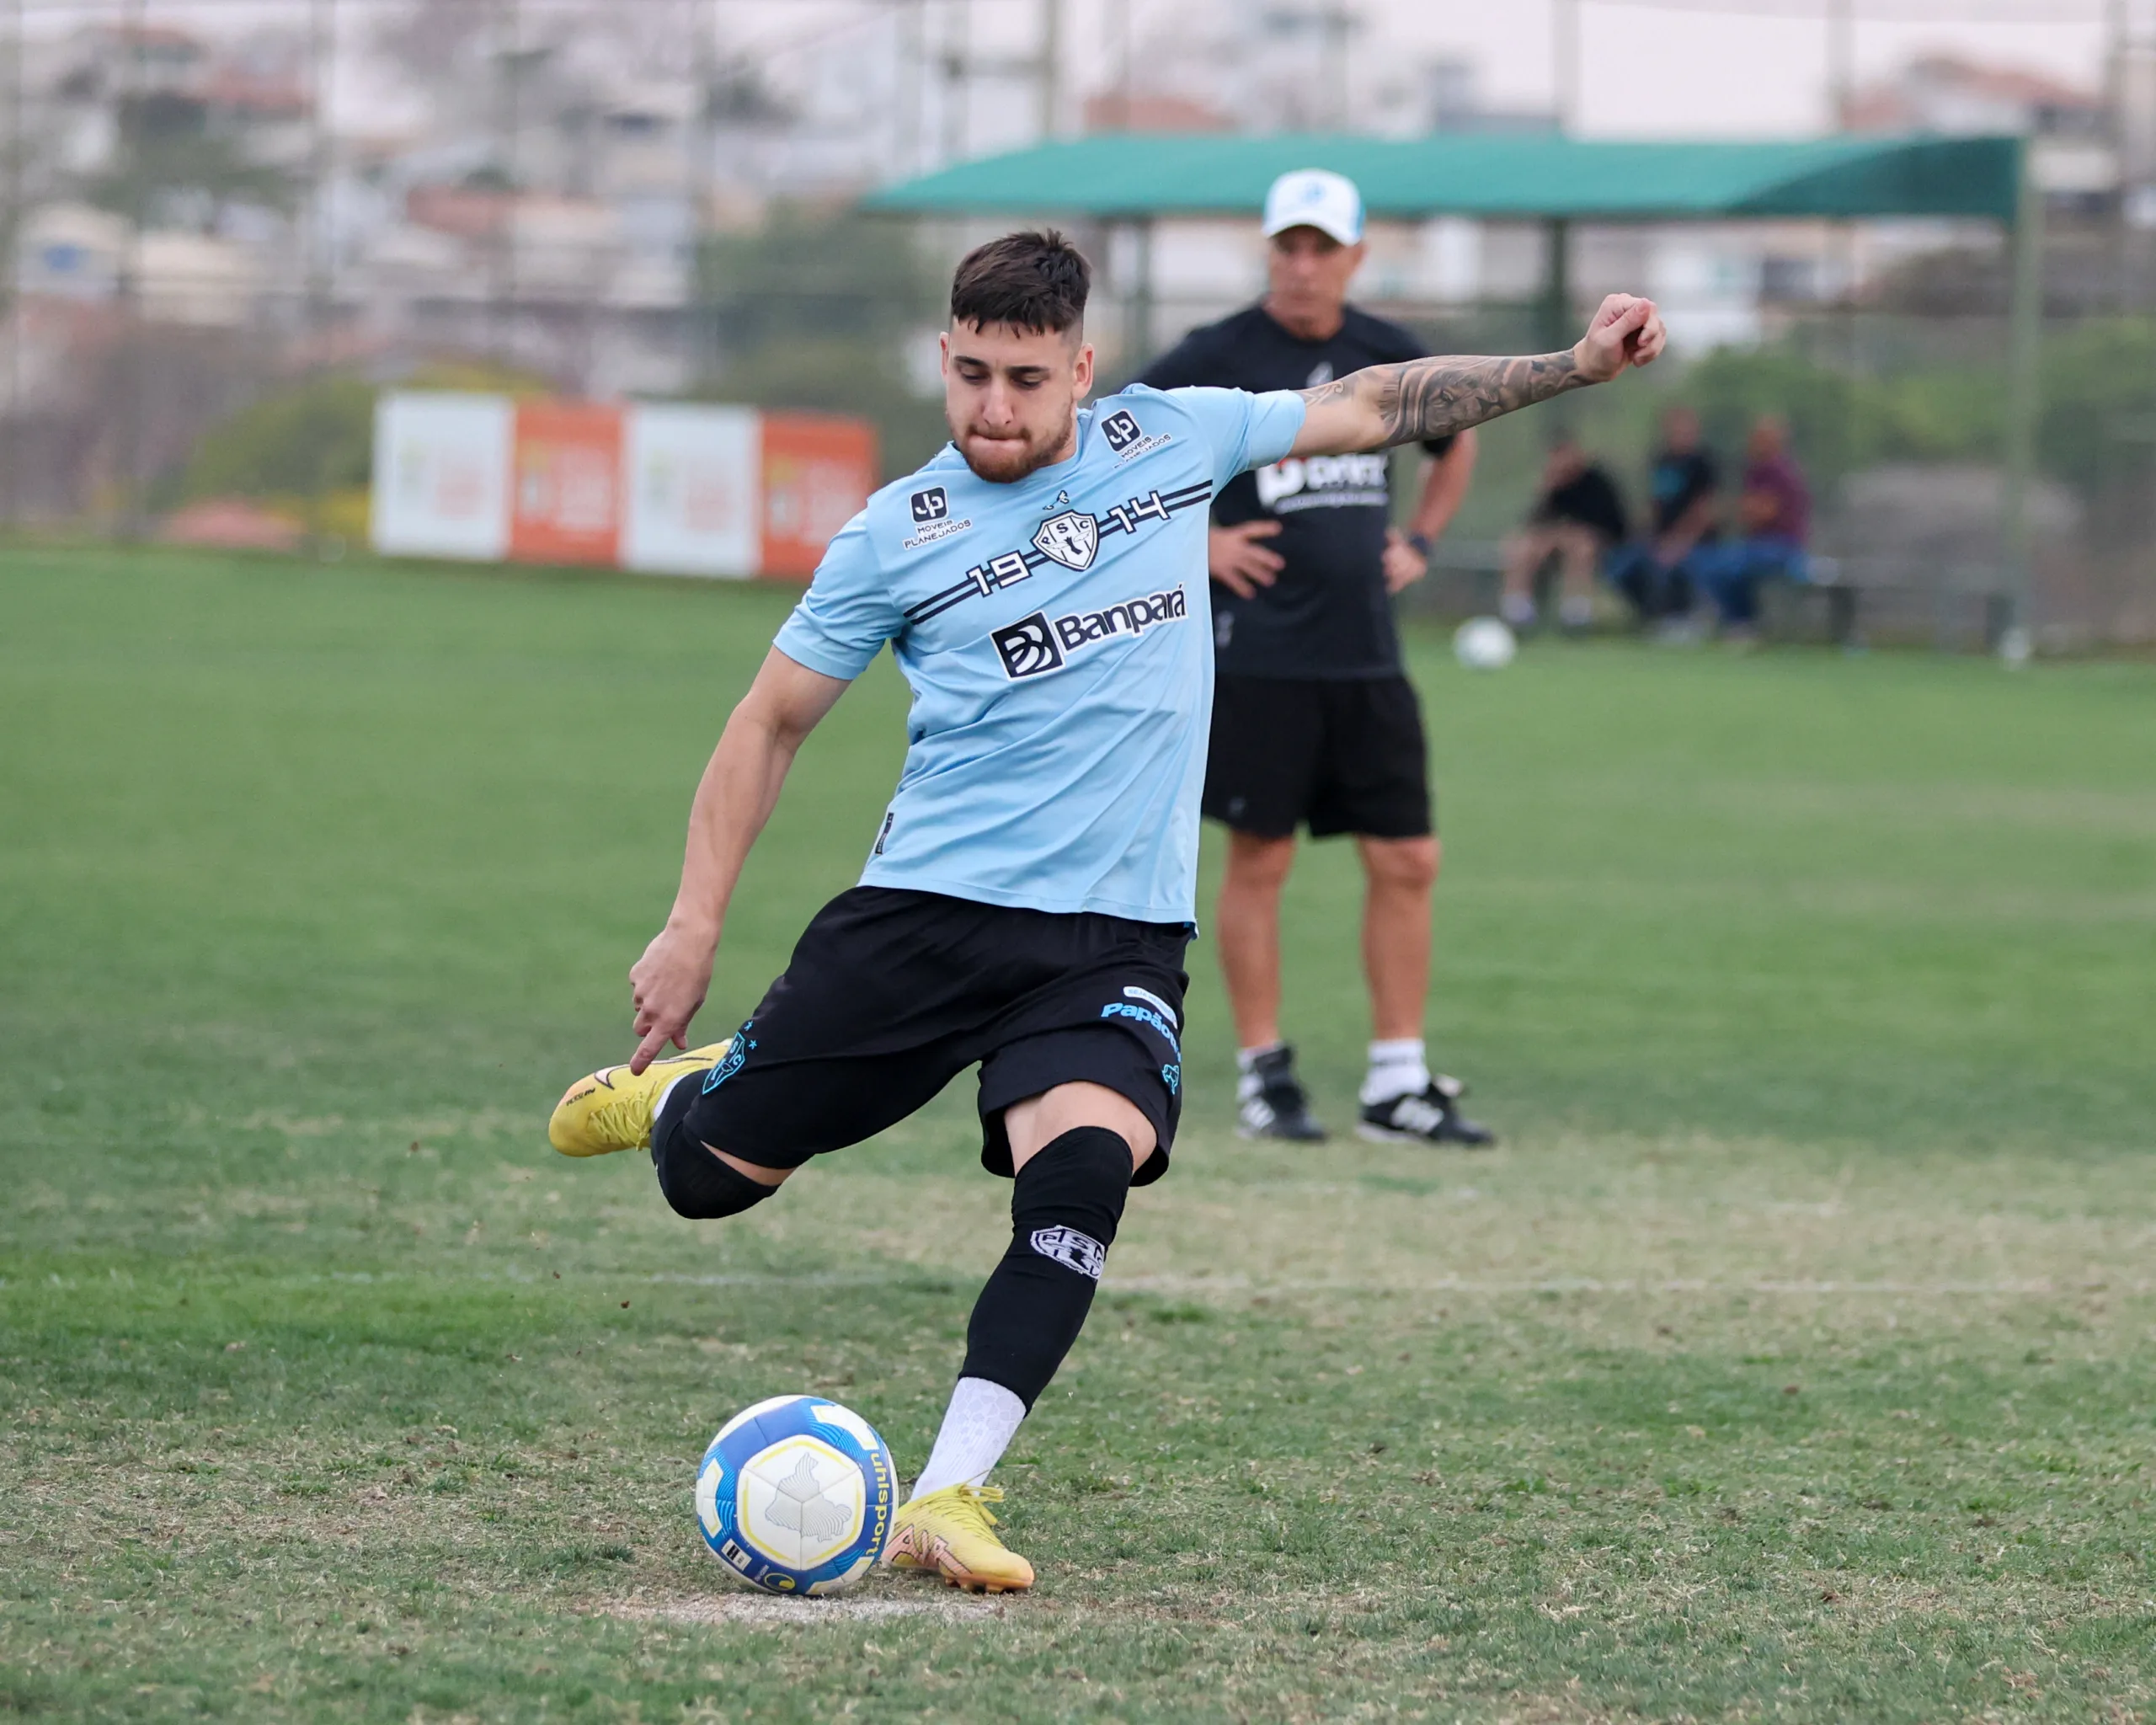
[[1171, 1284], [769, 1611], [1194, 1285]]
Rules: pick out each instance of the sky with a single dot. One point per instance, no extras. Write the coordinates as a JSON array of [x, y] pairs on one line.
[[1667, 67], [1724, 67]]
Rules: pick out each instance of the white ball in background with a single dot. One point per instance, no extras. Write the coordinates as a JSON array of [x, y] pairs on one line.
[[1485, 644]]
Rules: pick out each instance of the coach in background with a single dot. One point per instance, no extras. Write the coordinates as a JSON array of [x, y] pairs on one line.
[[1315, 723]]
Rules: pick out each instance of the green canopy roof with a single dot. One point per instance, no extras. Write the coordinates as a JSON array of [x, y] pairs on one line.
[[1132, 175]]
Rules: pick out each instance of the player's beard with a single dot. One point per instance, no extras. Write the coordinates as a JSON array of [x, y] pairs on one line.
[[1005, 461]]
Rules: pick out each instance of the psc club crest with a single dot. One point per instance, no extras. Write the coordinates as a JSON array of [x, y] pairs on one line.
[[1070, 538]]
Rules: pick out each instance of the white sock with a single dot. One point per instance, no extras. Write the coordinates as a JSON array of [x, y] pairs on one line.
[[660, 1108], [977, 1427], [1519, 610], [1396, 1069]]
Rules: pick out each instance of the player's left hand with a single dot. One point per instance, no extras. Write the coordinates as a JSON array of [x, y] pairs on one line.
[[1626, 330], [667, 985], [1404, 565]]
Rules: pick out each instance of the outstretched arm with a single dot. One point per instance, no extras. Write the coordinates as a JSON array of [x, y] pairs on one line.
[[739, 789], [1382, 405]]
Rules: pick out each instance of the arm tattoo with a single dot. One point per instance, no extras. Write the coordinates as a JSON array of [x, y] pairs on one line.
[[1427, 398]]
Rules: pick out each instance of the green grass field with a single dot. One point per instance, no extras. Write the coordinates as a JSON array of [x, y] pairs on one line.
[[1795, 1358]]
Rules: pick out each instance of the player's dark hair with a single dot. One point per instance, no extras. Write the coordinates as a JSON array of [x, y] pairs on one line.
[[1036, 281]]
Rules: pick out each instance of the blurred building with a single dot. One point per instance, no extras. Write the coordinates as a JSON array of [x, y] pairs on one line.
[[2073, 133]]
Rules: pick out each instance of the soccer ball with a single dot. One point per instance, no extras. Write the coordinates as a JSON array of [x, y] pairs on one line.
[[1484, 644], [795, 1495]]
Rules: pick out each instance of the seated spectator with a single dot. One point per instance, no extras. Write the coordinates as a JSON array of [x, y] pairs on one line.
[[1655, 573], [1774, 522], [1577, 519]]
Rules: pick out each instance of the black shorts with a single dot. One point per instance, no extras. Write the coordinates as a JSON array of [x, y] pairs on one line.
[[1337, 755], [891, 994]]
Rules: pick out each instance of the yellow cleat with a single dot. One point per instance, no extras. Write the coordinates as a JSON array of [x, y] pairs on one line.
[[611, 1109], [951, 1532]]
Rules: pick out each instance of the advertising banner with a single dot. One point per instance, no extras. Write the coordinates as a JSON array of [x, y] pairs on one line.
[[818, 470], [567, 505], [692, 491], [441, 476], [670, 488]]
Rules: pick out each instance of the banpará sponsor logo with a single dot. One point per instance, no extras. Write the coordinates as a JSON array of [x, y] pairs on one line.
[[1027, 647], [1322, 482], [1132, 617], [1135, 993], [1146, 1016], [1035, 645]]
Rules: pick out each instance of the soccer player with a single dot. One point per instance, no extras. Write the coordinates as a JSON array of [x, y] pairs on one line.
[[1315, 723], [1028, 891]]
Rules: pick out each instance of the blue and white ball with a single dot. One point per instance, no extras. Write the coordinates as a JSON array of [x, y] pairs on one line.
[[795, 1495]]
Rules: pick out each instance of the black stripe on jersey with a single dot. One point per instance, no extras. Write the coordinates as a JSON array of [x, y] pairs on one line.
[[1125, 517]]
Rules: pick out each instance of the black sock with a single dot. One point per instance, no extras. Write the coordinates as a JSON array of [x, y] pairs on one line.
[[1065, 1207]]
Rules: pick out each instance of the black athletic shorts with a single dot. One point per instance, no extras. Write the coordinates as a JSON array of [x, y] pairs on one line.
[[1342, 755], [891, 994]]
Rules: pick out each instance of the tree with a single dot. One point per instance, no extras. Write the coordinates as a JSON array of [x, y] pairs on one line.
[[170, 169], [818, 310], [305, 441]]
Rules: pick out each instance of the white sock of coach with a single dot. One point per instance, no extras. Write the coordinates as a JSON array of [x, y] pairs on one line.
[[1400, 1068], [1248, 1082], [977, 1427]]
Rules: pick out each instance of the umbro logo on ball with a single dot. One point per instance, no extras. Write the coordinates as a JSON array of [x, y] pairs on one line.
[[1071, 1249]]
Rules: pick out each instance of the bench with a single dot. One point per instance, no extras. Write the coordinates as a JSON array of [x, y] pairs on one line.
[[1845, 600], [1903, 597]]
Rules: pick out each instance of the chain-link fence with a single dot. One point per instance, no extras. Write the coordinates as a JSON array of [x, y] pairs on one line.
[[230, 223]]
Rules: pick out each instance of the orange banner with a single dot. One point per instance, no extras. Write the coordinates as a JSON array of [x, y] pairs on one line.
[[566, 506], [818, 473]]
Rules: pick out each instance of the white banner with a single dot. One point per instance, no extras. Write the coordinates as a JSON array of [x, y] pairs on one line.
[[692, 483], [441, 475]]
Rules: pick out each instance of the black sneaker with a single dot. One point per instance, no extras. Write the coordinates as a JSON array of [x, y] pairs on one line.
[[1276, 1106], [1431, 1117]]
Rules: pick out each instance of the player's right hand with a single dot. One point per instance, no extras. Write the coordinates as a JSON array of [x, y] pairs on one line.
[[1235, 558], [667, 985], [1626, 330]]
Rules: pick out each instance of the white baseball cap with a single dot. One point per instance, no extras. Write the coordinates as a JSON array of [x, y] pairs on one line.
[[1313, 197]]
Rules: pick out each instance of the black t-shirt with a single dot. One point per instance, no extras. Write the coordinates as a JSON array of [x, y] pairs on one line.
[[1328, 615], [1589, 500], [1680, 481]]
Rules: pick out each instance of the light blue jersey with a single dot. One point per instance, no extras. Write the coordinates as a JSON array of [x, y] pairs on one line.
[[1057, 635]]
